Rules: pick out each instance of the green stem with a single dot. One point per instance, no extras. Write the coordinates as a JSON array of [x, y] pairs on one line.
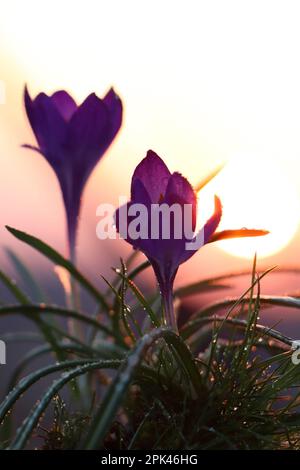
[[74, 295], [168, 305]]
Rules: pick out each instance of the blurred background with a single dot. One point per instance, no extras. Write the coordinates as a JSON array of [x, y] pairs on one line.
[[203, 84]]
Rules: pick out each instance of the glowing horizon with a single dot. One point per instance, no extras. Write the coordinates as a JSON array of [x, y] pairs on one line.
[[195, 99]]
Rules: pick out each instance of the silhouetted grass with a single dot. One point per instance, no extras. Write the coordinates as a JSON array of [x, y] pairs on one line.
[[135, 384]]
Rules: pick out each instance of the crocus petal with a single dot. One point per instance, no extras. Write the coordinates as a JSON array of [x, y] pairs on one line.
[[140, 197], [64, 103], [73, 139], [152, 184], [153, 181], [47, 124], [206, 233], [139, 193], [154, 174], [180, 191], [211, 225], [88, 133], [115, 111], [180, 186], [142, 244]]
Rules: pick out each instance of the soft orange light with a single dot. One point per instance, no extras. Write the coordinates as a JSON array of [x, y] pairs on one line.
[[256, 193]]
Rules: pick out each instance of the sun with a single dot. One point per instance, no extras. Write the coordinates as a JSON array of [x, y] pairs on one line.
[[256, 193]]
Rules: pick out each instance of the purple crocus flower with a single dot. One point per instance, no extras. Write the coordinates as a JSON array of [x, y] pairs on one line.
[[73, 138], [153, 184]]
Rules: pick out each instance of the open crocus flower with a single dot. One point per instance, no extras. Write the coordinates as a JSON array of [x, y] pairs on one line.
[[73, 138], [152, 187]]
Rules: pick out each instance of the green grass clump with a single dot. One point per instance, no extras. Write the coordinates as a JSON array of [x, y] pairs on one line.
[[223, 382]]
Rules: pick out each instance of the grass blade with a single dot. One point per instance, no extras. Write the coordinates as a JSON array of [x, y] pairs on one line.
[[34, 377], [140, 297], [31, 310], [25, 430], [216, 282], [116, 393], [14, 289], [36, 292], [58, 259]]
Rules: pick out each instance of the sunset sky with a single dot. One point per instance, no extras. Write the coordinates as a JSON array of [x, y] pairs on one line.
[[203, 83]]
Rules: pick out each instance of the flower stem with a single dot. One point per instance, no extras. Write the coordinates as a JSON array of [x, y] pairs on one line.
[[74, 298], [165, 278], [75, 327], [168, 305]]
